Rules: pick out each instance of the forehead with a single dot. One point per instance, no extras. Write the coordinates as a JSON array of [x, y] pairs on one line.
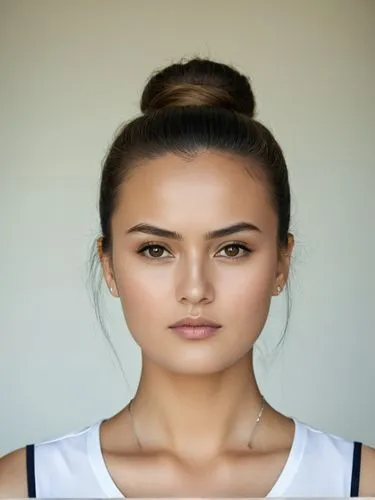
[[208, 191]]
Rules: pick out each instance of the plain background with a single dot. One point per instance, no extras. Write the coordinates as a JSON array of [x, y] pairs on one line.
[[71, 72]]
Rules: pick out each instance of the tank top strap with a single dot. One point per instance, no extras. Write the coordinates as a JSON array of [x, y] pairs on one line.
[[356, 469], [30, 471]]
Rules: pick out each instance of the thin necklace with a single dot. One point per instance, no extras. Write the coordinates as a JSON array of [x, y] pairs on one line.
[[133, 423], [258, 419]]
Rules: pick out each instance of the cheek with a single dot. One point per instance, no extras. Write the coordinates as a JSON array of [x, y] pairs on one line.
[[246, 293], [253, 282], [145, 295]]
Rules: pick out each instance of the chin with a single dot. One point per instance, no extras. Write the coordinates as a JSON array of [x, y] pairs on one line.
[[195, 364], [193, 357], [194, 371]]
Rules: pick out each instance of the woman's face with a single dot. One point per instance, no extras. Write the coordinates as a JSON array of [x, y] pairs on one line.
[[228, 279]]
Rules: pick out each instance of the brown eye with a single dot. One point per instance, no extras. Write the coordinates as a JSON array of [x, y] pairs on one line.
[[232, 251], [235, 251], [153, 251]]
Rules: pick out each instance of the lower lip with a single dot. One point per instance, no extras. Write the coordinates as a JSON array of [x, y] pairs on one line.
[[196, 332]]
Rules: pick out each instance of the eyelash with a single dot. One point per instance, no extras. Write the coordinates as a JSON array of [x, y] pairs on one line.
[[146, 247]]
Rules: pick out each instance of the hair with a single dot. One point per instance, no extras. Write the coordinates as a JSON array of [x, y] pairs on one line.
[[187, 108]]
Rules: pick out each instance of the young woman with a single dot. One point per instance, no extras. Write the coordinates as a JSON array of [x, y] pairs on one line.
[[194, 211]]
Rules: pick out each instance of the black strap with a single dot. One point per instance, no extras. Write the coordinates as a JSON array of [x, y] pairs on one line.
[[30, 471], [356, 471]]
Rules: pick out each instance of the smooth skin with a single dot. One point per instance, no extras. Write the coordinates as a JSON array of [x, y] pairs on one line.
[[197, 401]]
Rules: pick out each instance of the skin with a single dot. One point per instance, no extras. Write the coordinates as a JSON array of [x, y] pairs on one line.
[[201, 416], [197, 401]]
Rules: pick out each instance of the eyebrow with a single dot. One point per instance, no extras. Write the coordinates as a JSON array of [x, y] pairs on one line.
[[217, 233]]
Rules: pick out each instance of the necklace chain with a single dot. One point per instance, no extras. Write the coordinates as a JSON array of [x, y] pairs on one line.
[[258, 419], [133, 423]]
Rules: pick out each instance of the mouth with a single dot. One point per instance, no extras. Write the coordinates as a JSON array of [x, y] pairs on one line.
[[195, 328]]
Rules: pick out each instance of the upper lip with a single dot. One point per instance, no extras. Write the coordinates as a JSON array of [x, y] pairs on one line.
[[200, 321]]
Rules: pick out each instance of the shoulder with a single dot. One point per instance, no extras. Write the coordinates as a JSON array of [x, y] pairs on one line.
[[324, 444], [13, 480], [367, 481], [71, 439], [341, 453], [67, 448], [49, 455]]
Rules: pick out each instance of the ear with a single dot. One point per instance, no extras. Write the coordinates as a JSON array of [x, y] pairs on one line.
[[283, 265], [106, 263]]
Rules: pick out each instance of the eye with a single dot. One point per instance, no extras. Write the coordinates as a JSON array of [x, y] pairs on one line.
[[153, 251], [235, 250]]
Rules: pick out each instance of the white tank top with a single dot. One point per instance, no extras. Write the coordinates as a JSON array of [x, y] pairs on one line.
[[319, 465]]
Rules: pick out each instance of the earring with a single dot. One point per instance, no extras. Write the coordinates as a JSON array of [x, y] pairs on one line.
[[279, 289], [111, 290]]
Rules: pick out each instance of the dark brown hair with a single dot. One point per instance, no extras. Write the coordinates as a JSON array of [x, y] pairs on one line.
[[187, 108]]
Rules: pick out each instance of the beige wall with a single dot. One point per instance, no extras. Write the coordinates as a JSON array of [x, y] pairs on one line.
[[71, 72]]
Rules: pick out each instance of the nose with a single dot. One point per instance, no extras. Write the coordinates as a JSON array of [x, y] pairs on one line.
[[194, 283]]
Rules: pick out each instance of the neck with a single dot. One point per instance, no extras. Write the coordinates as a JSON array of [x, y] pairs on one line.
[[185, 413]]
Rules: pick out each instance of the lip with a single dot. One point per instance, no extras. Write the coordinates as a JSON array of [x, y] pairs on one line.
[[195, 328], [195, 322]]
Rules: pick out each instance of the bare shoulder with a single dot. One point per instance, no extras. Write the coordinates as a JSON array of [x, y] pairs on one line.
[[367, 480], [13, 481]]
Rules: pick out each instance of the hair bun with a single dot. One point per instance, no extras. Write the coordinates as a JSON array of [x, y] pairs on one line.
[[199, 82]]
